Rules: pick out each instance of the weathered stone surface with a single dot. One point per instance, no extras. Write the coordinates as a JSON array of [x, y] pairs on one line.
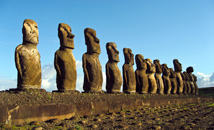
[[172, 78], [113, 74], [166, 80], [129, 81], [18, 115], [64, 61], [178, 69], [195, 84], [185, 85], [191, 79], [150, 73], [27, 57], [142, 82], [189, 89], [92, 68], [159, 80]]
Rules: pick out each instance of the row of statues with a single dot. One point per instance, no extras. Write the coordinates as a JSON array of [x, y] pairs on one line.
[[149, 77]]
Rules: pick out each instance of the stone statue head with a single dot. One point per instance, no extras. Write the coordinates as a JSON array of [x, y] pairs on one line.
[[30, 32], [92, 42], [177, 65], [172, 73], [186, 75], [195, 78], [183, 75], [150, 66], [140, 62], [113, 53], [129, 57], [158, 66], [165, 69], [65, 36], [189, 69]]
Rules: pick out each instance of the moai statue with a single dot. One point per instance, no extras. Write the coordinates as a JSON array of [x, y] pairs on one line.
[[129, 81], [140, 74], [150, 73], [189, 89], [27, 58], [185, 85], [64, 61], [159, 80], [113, 74], [173, 80], [92, 68], [178, 69], [166, 80], [195, 84], [191, 79]]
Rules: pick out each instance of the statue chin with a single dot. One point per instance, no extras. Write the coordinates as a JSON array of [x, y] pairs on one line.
[[32, 40]]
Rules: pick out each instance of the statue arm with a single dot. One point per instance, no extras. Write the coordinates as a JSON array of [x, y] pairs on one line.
[[84, 67], [56, 64], [124, 75], [17, 60], [137, 78], [107, 73]]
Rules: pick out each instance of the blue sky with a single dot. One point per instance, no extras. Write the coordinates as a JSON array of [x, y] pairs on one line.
[[164, 30]]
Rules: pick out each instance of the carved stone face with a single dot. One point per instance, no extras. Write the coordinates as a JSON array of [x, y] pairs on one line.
[[183, 76], [113, 53], [165, 69], [30, 32], [172, 73], [92, 42], [186, 75], [65, 36], [140, 61], [158, 66], [150, 66], [129, 57], [177, 65]]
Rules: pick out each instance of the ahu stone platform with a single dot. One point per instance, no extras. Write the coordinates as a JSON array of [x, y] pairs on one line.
[[26, 107]]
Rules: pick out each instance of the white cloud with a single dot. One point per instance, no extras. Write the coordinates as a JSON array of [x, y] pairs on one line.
[[79, 64], [48, 77], [205, 80], [104, 81], [79, 83]]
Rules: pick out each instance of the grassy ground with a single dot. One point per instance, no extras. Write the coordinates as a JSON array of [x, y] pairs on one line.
[[209, 92]]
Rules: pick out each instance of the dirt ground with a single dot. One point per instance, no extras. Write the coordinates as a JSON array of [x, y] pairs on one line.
[[188, 116]]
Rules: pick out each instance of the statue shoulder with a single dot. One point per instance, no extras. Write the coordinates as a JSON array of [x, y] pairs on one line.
[[19, 47]]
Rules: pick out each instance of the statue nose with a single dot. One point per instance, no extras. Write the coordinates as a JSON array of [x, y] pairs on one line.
[[70, 35], [97, 40]]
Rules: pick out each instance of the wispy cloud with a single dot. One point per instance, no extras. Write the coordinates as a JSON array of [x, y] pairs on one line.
[[205, 80]]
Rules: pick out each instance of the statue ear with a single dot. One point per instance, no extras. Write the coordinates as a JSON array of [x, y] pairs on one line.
[[110, 47]]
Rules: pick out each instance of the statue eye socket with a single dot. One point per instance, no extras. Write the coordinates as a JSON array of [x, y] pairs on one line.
[[36, 27]]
